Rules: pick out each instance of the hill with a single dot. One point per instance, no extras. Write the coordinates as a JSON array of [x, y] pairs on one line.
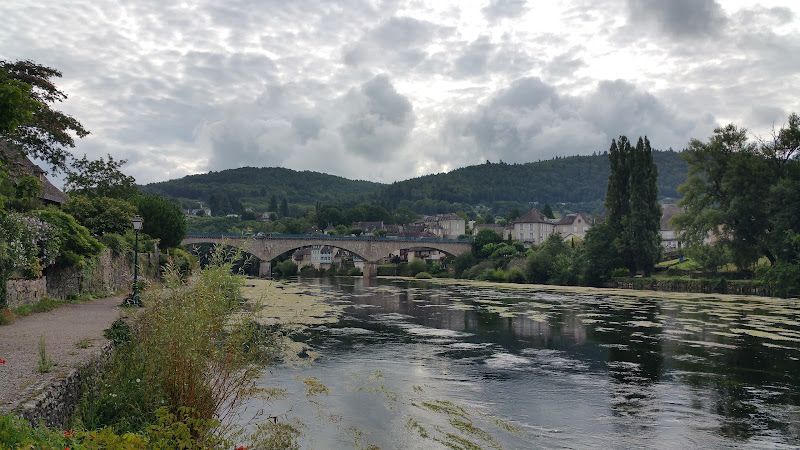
[[254, 186], [579, 182]]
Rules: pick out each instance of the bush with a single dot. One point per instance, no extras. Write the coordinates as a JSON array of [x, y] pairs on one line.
[[182, 260], [286, 268], [116, 243], [423, 276], [620, 272], [783, 278], [76, 244], [475, 271], [6, 316], [515, 275], [192, 350], [416, 266]]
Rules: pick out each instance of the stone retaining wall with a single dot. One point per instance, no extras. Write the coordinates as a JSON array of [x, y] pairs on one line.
[[109, 274], [55, 404], [699, 286], [21, 292]]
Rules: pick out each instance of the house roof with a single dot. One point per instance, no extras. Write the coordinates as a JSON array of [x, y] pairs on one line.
[[49, 193], [440, 217], [532, 216], [667, 211]]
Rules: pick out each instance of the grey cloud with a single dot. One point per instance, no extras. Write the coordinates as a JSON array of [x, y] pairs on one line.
[[397, 43], [379, 122], [499, 9], [473, 60], [307, 128], [530, 120], [678, 18], [565, 65]]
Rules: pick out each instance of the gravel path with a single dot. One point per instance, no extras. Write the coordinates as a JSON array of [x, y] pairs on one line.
[[66, 330]]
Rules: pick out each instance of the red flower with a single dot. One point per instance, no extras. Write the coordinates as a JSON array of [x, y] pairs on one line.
[[2, 361], [242, 447], [69, 434]]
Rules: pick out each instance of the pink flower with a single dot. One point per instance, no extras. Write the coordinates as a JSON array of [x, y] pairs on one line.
[[2, 361]]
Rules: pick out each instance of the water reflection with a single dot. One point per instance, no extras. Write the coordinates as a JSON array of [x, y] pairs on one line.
[[576, 370]]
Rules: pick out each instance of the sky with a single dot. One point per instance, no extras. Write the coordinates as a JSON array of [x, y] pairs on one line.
[[391, 90]]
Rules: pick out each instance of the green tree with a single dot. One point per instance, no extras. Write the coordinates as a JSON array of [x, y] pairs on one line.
[[48, 133], [632, 203], [743, 194], [548, 261], [284, 210], [101, 215], [100, 178], [273, 204], [547, 211], [644, 221], [484, 237], [162, 219], [599, 254]]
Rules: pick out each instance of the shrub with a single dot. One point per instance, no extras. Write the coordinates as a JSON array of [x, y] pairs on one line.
[[116, 243], [6, 316], [75, 242], [286, 268], [416, 266], [192, 347], [515, 275], [423, 276], [180, 259]]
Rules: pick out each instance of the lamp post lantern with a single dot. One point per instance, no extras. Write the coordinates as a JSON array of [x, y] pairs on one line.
[[137, 225]]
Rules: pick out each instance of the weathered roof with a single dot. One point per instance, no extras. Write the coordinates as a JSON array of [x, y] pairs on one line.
[[49, 193], [667, 211], [440, 217], [532, 216]]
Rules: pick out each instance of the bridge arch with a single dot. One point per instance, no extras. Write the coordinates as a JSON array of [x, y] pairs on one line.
[[370, 249]]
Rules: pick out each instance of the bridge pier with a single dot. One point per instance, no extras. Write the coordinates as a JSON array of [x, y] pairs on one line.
[[265, 270], [370, 270]]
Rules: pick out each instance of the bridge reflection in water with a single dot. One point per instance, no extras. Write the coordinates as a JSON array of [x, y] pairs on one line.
[[369, 248]]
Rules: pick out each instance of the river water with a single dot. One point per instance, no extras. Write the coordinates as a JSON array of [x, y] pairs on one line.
[[411, 364]]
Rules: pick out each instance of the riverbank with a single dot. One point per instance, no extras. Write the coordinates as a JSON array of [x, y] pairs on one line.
[[73, 336]]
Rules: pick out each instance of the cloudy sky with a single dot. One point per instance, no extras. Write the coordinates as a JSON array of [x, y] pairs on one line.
[[389, 90]]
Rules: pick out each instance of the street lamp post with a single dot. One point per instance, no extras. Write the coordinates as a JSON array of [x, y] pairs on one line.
[[137, 225]]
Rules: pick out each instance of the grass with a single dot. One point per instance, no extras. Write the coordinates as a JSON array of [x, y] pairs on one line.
[[84, 343], [45, 361]]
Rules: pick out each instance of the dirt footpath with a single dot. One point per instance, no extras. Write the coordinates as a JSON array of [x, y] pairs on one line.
[[73, 334]]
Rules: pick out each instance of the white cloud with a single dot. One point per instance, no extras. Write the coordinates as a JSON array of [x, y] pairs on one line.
[[387, 90]]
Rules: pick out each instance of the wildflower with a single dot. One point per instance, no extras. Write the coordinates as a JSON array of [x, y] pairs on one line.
[[242, 447], [2, 361], [69, 434]]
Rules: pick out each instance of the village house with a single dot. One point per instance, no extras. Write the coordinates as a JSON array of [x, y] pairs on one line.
[[50, 194], [368, 227], [444, 226], [533, 227], [669, 235]]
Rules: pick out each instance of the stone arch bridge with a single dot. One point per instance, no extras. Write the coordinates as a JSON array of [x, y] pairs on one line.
[[370, 248]]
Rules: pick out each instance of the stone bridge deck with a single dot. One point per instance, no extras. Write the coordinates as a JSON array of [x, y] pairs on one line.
[[369, 248]]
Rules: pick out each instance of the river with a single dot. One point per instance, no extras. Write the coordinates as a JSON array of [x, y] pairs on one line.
[[413, 364]]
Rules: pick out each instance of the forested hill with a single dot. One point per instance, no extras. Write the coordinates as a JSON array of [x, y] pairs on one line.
[[572, 179], [576, 180], [260, 184]]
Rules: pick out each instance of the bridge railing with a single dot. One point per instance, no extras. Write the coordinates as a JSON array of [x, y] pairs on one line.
[[325, 237]]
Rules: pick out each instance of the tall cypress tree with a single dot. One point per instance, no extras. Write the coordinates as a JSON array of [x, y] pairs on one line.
[[643, 223], [634, 214]]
